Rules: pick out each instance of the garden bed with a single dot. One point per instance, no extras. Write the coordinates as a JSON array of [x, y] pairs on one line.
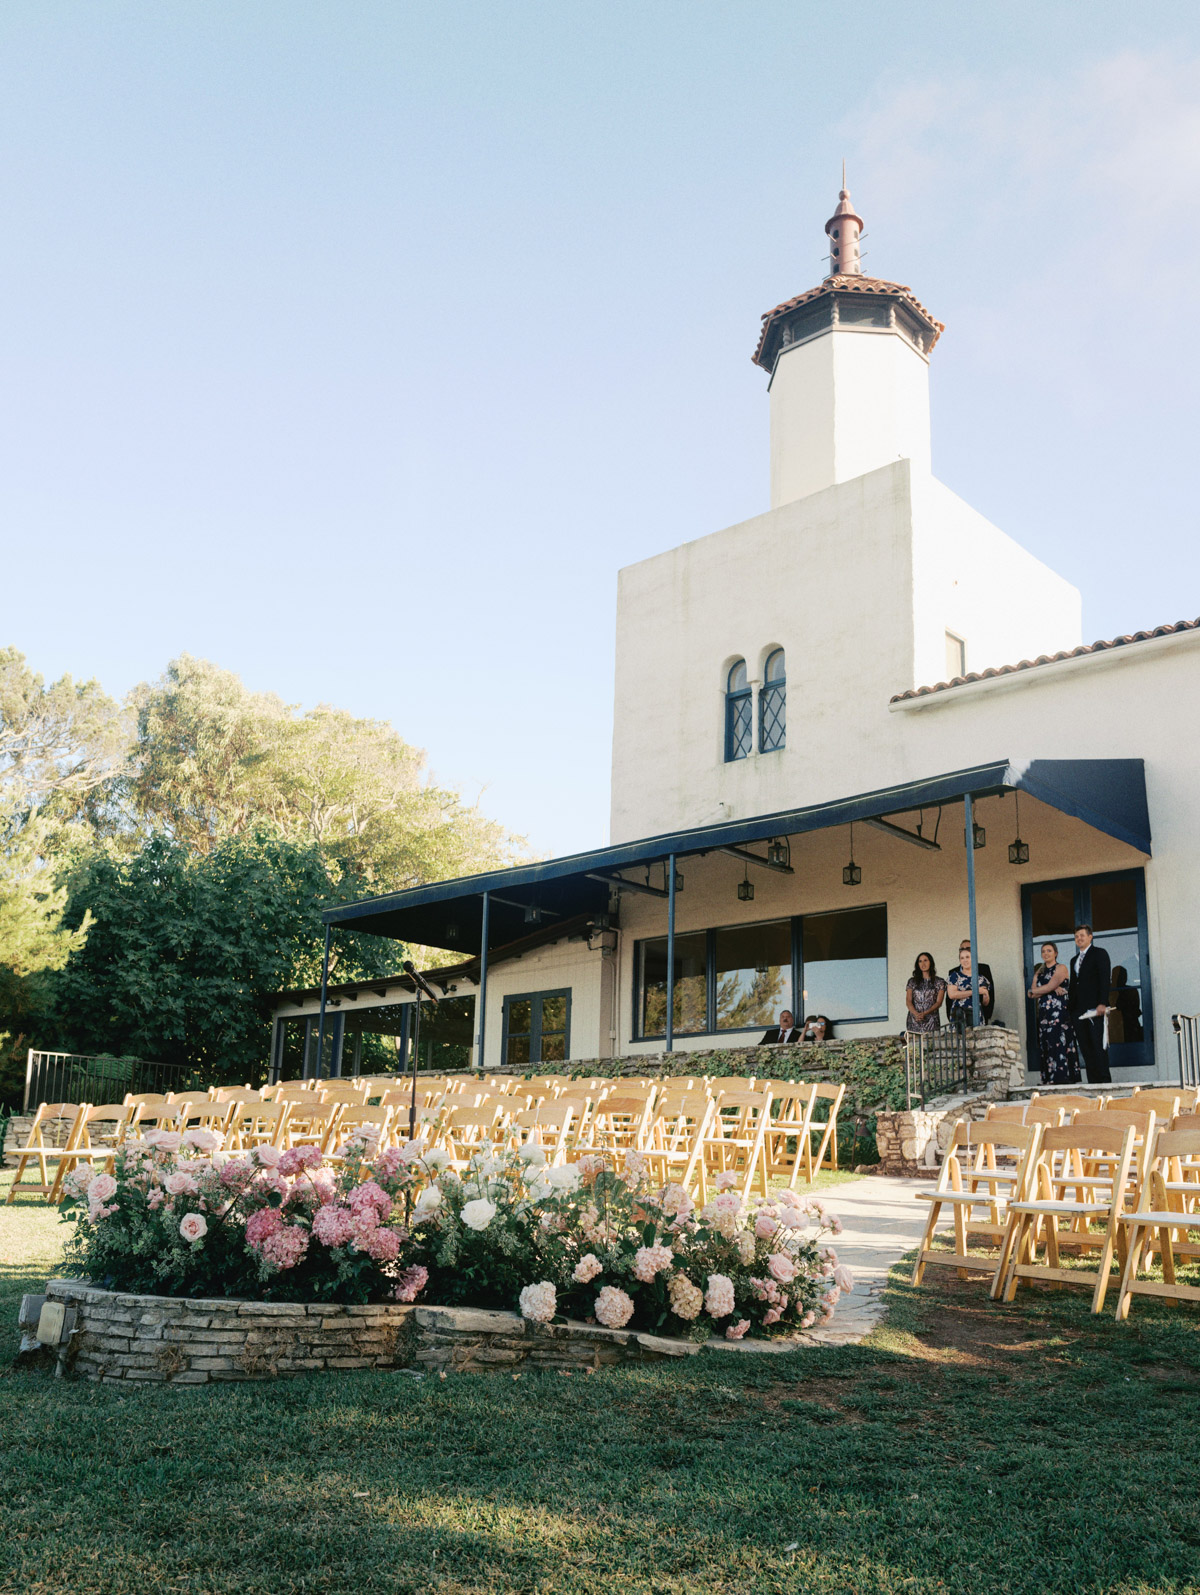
[[177, 1340]]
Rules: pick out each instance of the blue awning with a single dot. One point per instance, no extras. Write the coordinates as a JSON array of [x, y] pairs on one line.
[[1107, 794]]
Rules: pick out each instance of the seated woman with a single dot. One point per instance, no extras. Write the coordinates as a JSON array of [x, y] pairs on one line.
[[816, 1028], [958, 990], [923, 997]]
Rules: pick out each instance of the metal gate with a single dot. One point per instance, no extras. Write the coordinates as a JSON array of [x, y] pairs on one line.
[[935, 1063], [96, 1077]]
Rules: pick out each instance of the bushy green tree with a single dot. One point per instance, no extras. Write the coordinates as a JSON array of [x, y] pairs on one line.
[[185, 947]]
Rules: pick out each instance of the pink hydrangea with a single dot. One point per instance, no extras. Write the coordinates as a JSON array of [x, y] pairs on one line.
[[383, 1244], [286, 1246], [261, 1225], [267, 1156], [80, 1177], [539, 1302], [363, 1225], [324, 1185], [718, 1298], [412, 1282], [637, 1168], [686, 1299], [651, 1260], [614, 1308], [745, 1247], [586, 1269], [332, 1224], [736, 1331], [782, 1267], [390, 1164], [591, 1164], [236, 1172], [298, 1158], [193, 1226], [370, 1198], [676, 1203], [180, 1184]]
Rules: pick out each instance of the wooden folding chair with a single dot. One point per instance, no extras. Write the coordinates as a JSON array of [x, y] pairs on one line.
[[825, 1130], [202, 1113], [1166, 1101], [1034, 1218], [102, 1128], [549, 1125], [312, 1124], [292, 1091], [146, 1100], [1010, 1112], [55, 1129], [354, 1118], [1070, 1102], [789, 1134], [675, 1142], [1168, 1208], [620, 1123], [235, 1093], [471, 1130], [735, 1141], [252, 1124], [972, 1177]]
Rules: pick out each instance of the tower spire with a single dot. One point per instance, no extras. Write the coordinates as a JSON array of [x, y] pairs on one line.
[[843, 229]]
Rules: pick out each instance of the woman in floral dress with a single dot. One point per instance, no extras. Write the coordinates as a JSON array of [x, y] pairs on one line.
[[1056, 1038], [923, 996]]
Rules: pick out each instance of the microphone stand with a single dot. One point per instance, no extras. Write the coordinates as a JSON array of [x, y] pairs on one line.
[[416, 1053]]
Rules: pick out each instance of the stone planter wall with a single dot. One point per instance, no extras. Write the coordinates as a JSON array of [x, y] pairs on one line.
[[167, 1339]]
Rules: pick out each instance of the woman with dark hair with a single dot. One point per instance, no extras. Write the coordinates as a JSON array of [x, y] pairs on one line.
[[923, 996], [1056, 1036]]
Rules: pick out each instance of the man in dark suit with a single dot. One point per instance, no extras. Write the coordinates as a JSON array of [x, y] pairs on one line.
[[1087, 1002], [784, 1031]]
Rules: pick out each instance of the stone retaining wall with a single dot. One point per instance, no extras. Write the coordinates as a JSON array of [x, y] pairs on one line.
[[167, 1339], [913, 1140]]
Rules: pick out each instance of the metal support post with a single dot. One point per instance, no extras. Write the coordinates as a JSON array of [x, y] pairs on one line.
[[324, 997], [671, 953], [481, 1001], [969, 818]]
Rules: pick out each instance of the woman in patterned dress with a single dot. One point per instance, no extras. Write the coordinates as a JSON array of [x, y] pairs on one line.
[[1056, 1038], [923, 996]]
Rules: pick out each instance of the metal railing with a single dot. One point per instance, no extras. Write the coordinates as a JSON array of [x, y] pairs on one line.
[[936, 1063], [1187, 1034], [96, 1077]]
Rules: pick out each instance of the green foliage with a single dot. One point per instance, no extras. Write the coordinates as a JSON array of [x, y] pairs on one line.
[[185, 947]]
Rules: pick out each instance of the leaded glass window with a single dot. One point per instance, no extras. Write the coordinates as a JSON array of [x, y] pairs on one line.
[[772, 705], [739, 714]]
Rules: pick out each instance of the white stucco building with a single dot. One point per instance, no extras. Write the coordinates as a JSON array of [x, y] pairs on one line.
[[868, 651]]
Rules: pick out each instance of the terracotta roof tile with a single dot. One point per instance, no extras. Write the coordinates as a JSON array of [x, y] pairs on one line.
[[1049, 659], [844, 284]]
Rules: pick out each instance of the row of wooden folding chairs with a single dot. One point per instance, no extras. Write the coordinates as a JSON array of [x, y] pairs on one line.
[[1113, 1182]]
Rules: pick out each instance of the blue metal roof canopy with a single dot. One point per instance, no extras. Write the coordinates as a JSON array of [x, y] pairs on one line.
[[1107, 794]]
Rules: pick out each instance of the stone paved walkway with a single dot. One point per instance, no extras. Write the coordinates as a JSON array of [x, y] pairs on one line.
[[881, 1220]]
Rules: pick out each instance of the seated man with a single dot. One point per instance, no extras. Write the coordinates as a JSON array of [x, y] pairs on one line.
[[784, 1031]]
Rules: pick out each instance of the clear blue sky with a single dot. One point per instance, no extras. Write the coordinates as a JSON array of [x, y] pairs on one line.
[[356, 345]]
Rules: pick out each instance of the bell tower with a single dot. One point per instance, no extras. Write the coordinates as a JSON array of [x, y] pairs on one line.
[[849, 367]]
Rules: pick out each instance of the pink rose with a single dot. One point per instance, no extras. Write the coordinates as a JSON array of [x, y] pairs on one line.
[[267, 1157], [765, 1226], [203, 1140], [163, 1140], [736, 1331], [843, 1278], [101, 1188], [193, 1227], [180, 1184], [772, 1315], [782, 1267]]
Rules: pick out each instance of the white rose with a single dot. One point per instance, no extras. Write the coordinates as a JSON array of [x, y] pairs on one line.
[[436, 1159], [429, 1199], [531, 1152], [565, 1177], [479, 1214]]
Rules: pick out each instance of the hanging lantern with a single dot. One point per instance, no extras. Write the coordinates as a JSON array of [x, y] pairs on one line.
[[746, 888], [851, 874], [1018, 851], [979, 835], [779, 853]]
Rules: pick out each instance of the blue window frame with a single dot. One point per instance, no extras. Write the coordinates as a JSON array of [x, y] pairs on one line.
[[537, 1027], [772, 705], [739, 714], [1115, 907]]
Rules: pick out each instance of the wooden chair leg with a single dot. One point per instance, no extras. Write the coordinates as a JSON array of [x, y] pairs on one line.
[[926, 1243]]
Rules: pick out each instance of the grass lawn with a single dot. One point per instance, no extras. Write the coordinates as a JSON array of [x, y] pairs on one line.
[[963, 1448]]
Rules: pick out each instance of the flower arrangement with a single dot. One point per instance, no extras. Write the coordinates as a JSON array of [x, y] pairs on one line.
[[584, 1240]]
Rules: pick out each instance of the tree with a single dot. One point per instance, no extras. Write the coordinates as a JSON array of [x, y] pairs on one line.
[[186, 947], [212, 758]]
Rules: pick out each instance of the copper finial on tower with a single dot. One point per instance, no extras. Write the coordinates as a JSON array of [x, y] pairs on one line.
[[844, 228]]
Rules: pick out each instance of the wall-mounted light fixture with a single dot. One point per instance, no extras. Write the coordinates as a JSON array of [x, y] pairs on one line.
[[851, 874], [980, 836], [1018, 851]]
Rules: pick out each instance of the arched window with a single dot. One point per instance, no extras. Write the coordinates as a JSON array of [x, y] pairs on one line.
[[739, 713], [772, 705]]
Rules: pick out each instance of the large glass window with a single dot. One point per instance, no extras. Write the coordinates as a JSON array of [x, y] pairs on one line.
[[738, 977], [772, 705], [845, 964], [537, 1028], [753, 974], [739, 714], [691, 986]]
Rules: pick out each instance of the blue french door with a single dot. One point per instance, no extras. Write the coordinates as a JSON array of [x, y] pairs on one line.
[[1114, 906]]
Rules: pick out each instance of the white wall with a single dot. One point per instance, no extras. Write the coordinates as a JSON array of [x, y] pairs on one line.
[[845, 403]]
